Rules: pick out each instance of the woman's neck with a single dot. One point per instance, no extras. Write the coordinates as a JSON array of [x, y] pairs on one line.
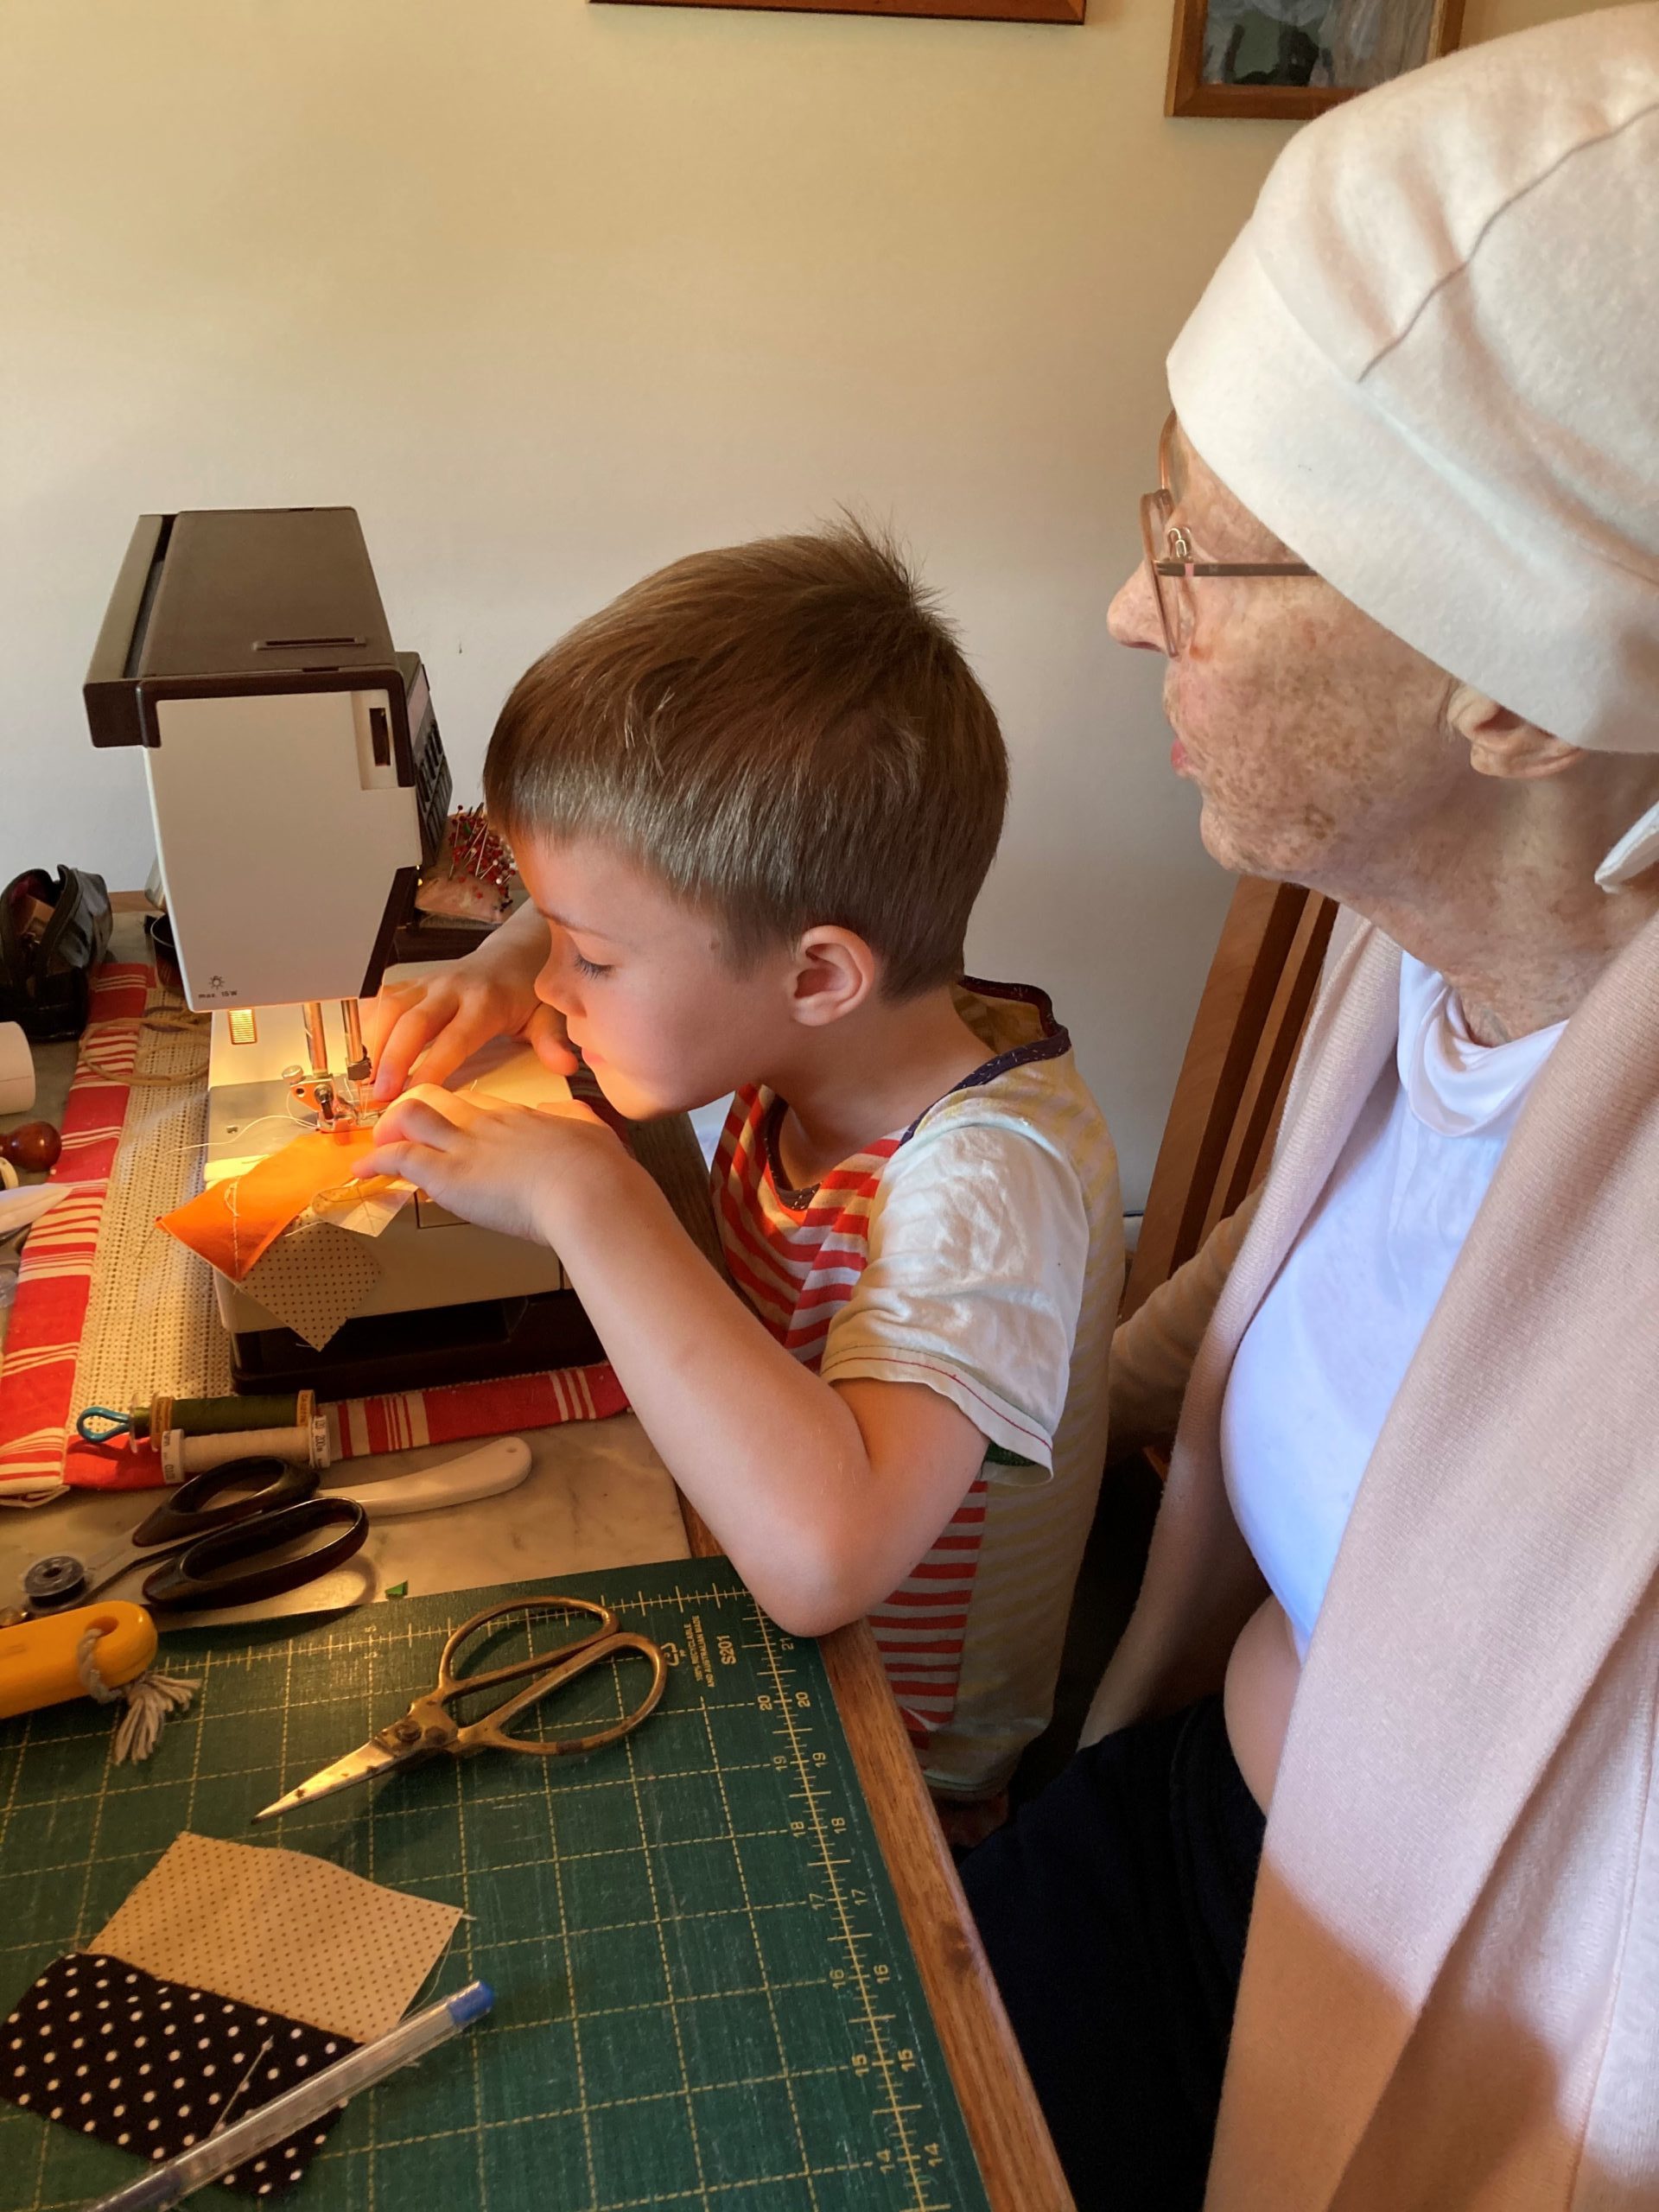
[[1538, 970], [1505, 904]]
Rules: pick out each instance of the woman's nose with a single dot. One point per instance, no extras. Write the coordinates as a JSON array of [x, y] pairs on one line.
[[1132, 617]]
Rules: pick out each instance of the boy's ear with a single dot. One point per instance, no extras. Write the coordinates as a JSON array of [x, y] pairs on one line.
[[835, 971]]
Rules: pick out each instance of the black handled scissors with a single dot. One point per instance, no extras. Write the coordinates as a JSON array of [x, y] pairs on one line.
[[428, 1726], [218, 1549]]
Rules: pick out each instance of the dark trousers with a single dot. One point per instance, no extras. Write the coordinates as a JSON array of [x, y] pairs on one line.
[[1114, 1909]]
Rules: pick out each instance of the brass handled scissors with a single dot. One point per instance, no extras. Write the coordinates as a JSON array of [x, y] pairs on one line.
[[429, 1727]]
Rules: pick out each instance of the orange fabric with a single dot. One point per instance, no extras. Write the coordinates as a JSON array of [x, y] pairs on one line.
[[233, 1223]]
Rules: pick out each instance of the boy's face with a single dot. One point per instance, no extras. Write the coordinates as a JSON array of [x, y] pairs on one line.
[[646, 988]]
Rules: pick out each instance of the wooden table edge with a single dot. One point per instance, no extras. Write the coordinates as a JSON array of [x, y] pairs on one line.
[[1005, 2123]]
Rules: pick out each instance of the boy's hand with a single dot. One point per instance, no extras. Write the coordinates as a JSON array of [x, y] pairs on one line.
[[495, 1165], [442, 1019]]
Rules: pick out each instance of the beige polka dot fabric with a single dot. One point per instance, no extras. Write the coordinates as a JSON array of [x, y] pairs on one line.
[[314, 1278], [281, 1930]]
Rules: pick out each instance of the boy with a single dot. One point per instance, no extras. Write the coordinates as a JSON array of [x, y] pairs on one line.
[[753, 801]]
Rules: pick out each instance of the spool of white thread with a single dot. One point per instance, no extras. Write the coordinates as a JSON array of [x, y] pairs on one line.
[[16, 1071], [306, 1445]]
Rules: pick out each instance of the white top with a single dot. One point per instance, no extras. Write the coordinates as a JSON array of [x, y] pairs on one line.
[[1320, 1363]]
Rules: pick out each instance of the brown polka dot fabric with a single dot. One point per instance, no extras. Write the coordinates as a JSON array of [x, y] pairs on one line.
[[153, 2066], [283, 1931]]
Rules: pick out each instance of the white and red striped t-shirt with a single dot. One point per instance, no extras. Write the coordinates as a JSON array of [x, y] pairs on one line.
[[979, 1252]]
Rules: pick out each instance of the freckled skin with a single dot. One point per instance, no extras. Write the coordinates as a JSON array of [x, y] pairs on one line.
[[1329, 752]]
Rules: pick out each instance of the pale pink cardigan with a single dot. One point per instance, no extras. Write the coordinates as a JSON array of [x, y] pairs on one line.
[[1451, 1991]]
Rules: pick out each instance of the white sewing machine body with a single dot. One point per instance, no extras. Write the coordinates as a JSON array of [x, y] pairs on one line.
[[297, 777]]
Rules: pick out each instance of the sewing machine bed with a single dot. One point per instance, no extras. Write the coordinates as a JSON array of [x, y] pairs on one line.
[[704, 1992]]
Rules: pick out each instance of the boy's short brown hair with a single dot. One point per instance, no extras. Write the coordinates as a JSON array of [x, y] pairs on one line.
[[786, 732]]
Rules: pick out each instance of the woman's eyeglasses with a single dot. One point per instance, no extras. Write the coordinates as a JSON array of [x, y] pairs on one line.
[[1170, 561]]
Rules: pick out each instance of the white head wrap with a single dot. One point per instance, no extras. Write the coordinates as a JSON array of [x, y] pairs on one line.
[[1430, 363]]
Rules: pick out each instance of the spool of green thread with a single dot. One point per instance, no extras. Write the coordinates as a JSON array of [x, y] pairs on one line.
[[222, 1416]]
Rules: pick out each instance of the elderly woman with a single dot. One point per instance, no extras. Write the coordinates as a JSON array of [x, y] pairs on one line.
[[1405, 568]]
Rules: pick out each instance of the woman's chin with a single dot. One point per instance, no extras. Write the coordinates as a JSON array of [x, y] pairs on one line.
[[1276, 857], [1222, 844]]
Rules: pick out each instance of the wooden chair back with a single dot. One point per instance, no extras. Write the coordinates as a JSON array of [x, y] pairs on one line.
[[1218, 1138]]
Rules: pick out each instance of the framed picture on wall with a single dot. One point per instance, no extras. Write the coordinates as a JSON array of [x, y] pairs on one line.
[[996, 12], [1293, 57]]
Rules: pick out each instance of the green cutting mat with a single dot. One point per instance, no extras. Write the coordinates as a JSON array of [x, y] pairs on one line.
[[705, 1994]]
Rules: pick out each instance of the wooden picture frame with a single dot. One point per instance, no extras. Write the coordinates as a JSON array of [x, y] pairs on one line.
[[992, 11], [1190, 92]]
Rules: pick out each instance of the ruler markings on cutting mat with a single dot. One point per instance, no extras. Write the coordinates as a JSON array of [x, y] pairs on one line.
[[705, 1995]]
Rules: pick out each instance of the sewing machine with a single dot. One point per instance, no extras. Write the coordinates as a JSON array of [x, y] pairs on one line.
[[298, 786]]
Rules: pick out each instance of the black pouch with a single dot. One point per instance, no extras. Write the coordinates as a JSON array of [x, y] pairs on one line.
[[44, 973]]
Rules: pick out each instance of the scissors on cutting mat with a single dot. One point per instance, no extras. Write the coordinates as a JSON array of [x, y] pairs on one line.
[[429, 1727], [227, 1537]]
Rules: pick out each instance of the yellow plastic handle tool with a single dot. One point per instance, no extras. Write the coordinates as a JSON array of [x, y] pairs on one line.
[[37, 1661]]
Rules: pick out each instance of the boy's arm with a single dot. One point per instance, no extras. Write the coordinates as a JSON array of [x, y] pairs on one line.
[[823, 1497]]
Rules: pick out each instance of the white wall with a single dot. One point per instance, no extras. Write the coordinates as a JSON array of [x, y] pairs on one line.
[[553, 292]]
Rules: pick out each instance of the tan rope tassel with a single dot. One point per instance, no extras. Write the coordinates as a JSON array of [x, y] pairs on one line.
[[150, 1697]]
